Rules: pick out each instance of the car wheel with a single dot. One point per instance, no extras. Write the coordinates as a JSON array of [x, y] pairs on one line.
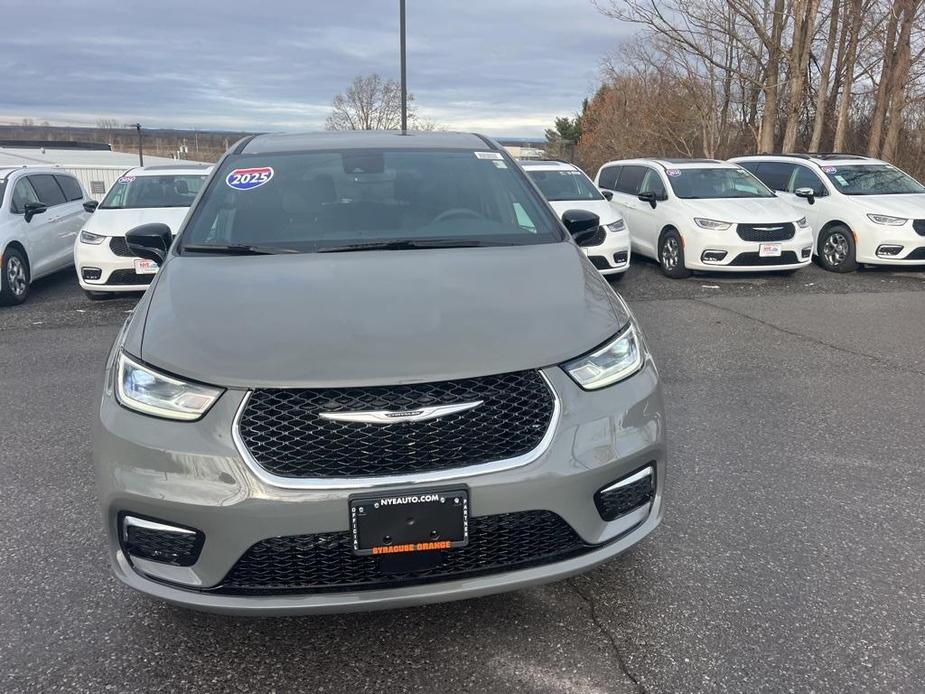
[[97, 296], [836, 250], [14, 278], [671, 256]]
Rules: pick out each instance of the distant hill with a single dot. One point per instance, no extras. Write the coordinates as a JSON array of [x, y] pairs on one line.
[[199, 145]]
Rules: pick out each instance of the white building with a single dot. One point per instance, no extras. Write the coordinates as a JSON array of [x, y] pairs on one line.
[[96, 165]]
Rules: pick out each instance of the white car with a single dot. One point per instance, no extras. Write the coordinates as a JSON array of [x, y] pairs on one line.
[[863, 210], [702, 214], [41, 212], [566, 187], [105, 264]]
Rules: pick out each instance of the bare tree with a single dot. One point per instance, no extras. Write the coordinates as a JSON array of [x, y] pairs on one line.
[[370, 103]]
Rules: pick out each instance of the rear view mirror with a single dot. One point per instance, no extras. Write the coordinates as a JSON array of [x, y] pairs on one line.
[[580, 224], [807, 193], [150, 241], [607, 194], [30, 209], [91, 205]]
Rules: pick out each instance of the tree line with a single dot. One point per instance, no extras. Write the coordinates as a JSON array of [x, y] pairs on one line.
[[717, 78]]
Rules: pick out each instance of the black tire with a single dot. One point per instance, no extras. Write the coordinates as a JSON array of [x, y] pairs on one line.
[[98, 296], [14, 278], [671, 256], [836, 251]]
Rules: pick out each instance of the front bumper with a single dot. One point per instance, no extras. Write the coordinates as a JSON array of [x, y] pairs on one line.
[[116, 273], [203, 482], [741, 255], [611, 257], [874, 238]]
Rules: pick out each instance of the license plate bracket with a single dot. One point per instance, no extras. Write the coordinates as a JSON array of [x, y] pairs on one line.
[[143, 266], [770, 250], [418, 521]]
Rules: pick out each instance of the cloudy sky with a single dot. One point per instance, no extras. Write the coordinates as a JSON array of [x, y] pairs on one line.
[[504, 67]]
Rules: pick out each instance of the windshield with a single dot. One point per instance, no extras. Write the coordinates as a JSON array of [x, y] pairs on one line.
[[564, 185], [701, 184], [324, 200], [872, 179], [133, 192]]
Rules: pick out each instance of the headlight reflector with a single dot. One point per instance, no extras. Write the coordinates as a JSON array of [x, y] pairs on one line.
[[143, 389], [712, 224], [618, 359], [90, 237], [887, 219], [618, 225], [802, 223]]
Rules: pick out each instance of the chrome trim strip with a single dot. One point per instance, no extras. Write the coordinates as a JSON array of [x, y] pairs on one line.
[[151, 525], [409, 479], [421, 414], [627, 481]]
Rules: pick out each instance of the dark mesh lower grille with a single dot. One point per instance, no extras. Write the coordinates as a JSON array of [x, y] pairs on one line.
[[619, 502], [168, 548], [766, 232], [599, 261], [284, 433], [128, 277], [119, 246], [919, 226], [753, 259], [326, 563], [917, 254]]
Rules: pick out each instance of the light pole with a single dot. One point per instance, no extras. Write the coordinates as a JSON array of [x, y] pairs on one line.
[[141, 156], [404, 79]]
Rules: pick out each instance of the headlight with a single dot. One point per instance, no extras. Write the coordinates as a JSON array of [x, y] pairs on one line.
[[143, 389], [802, 223], [711, 224], [618, 359], [887, 219], [89, 237], [619, 225]]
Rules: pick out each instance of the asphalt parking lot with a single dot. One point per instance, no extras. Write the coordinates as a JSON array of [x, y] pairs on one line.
[[791, 557]]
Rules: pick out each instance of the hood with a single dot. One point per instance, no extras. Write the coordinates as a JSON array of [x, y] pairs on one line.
[[744, 210], [373, 317], [117, 222], [910, 206], [602, 208]]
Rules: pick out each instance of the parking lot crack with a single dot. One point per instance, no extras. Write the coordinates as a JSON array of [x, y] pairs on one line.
[[608, 635]]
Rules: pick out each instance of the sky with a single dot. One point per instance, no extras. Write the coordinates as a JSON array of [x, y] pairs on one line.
[[502, 67]]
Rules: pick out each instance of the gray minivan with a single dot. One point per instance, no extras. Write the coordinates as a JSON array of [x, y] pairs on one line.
[[373, 370]]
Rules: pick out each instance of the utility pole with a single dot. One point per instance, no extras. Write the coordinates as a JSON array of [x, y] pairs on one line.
[[404, 78], [141, 156]]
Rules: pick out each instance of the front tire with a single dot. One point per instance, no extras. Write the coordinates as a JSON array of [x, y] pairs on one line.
[[671, 256], [14, 278], [836, 250]]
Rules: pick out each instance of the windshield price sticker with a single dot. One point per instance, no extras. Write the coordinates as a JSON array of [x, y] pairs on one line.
[[673, 172], [488, 155], [125, 179], [248, 179], [829, 169]]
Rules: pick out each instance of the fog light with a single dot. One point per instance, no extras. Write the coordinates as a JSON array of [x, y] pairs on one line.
[[91, 273], [621, 257], [626, 494], [805, 253], [160, 542], [889, 250], [713, 256]]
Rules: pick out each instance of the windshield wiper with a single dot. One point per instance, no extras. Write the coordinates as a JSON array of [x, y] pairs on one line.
[[406, 244], [236, 249]]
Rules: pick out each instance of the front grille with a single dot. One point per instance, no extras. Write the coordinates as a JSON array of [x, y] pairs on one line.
[[618, 502], [599, 261], [766, 232], [128, 277], [177, 549], [119, 246], [917, 254], [600, 235], [282, 429], [919, 226], [753, 259], [325, 562]]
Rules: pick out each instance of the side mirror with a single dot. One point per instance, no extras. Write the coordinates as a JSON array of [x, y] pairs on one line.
[[91, 205], [607, 194], [30, 209], [150, 241], [649, 197], [580, 223], [807, 193]]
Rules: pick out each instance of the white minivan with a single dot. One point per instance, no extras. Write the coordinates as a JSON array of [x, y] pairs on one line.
[[41, 211], [863, 210], [142, 195], [703, 214]]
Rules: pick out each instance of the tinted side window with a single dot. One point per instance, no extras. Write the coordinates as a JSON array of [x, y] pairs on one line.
[[47, 189], [630, 179], [608, 176], [652, 183], [70, 186], [22, 194], [807, 179], [775, 175], [750, 166]]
